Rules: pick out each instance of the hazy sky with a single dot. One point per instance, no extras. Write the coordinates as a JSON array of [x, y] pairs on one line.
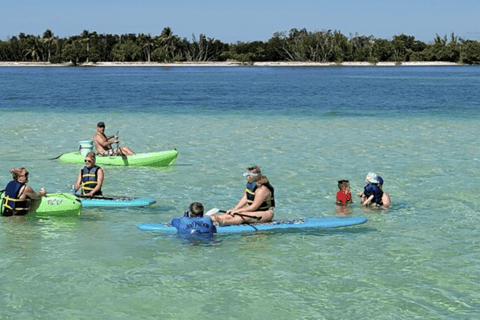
[[247, 20]]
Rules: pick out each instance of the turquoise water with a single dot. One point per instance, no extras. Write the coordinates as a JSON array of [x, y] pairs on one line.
[[306, 128]]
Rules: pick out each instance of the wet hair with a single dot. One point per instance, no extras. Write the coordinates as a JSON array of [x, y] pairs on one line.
[[196, 209], [91, 154], [342, 183], [254, 169], [261, 180], [16, 172]]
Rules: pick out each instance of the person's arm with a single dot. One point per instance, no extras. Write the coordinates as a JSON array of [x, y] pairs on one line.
[[99, 183], [367, 202], [32, 194], [241, 203], [260, 195], [175, 222], [103, 142]]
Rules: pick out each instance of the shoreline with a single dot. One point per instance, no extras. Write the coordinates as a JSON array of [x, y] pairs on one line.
[[232, 64]]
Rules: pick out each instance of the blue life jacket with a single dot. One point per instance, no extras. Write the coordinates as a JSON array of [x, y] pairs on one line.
[[267, 203], [197, 225], [90, 179], [375, 190], [11, 204]]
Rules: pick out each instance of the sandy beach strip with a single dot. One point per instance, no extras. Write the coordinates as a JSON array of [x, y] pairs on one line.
[[229, 64]]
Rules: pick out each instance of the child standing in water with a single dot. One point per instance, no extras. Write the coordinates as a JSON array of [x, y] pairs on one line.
[[344, 196]]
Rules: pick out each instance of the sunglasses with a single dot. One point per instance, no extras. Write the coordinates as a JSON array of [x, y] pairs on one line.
[[88, 161], [250, 174]]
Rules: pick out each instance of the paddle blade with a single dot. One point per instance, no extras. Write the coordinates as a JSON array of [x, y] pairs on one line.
[[212, 212]]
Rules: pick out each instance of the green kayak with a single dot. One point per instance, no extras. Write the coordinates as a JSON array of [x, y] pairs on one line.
[[150, 159], [54, 204]]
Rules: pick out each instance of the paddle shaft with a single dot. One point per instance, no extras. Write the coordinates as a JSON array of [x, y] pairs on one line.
[[93, 197], [56, 157], [243, 215]]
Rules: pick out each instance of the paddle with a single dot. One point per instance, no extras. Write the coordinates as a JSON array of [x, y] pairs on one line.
[[93, 197], [120, 153], [56, 157], [243, 215]]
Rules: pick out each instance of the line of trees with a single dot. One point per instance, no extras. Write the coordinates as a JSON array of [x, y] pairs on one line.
[[297, 45]]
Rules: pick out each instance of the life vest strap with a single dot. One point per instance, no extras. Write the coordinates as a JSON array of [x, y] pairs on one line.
[[7, 199]]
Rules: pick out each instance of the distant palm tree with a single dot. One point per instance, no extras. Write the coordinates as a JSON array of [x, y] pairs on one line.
[[168, 41], [147, 44], [85, 36], [33, 48], [48, 40]]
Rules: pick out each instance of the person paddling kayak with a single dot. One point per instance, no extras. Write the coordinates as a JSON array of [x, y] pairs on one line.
[[104, 146], [257, 201], [18, 194], [90, 178]]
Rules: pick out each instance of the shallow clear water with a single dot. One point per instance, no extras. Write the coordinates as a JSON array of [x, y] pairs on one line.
[[306, 128]]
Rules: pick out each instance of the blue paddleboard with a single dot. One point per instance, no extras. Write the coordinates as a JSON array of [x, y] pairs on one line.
[[115, 202], [276, 224]]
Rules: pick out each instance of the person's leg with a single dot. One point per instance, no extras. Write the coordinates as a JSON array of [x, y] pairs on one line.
[[126, 151], [222, 219]]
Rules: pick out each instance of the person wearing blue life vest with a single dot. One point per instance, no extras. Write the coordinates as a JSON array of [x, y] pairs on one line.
[[194, 222], [18, 194], [372, 194], [256, 204], [90, 178]]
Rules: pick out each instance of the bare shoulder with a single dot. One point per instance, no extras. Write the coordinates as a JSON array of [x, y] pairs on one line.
[[97, 136], [27, 191], [262, 190]]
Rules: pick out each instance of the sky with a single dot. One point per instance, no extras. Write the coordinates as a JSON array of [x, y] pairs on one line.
[[245, 21]]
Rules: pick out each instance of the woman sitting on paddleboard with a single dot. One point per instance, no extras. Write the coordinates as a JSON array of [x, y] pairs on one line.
[[90, 178], [18, 194], [257, 201]]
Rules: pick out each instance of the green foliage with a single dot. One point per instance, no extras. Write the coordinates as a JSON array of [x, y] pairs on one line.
[[382, 50], [470, 52], [161, 55], [74, 52], [127, 51], [295, 45]]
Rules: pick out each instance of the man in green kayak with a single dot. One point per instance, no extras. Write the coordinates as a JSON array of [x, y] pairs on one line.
[[104, 146], [18, 195]]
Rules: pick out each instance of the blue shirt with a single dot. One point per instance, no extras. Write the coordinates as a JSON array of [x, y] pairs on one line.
[[373, 189], [198, 225]]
